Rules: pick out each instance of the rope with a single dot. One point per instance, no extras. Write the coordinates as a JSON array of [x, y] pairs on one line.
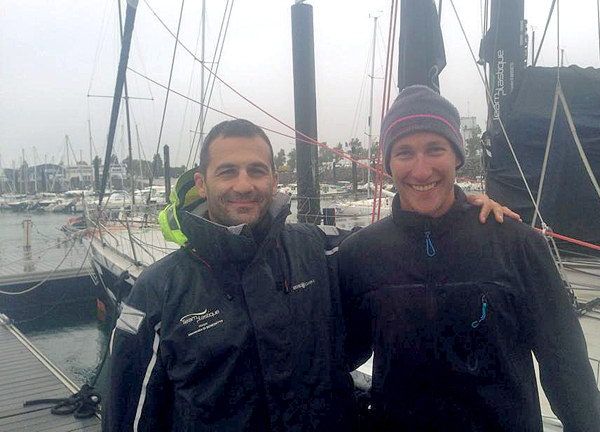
[[569, 239], [83, 404], [43, 281], [489, 95], [544, 35], [584, 158], [547, 153], [561, 268], [383, 110], [164, 114], [308, 140], [212, 86], [200, 61], [47, 311], [42, 251], [378, 186]]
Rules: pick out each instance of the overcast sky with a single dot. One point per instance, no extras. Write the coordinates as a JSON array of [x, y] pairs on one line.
[[53, 54]]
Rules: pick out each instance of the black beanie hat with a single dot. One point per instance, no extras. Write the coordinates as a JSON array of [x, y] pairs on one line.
[[419, 109]]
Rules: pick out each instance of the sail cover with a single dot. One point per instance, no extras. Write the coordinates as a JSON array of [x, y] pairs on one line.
[[422, 56], [569, 204]]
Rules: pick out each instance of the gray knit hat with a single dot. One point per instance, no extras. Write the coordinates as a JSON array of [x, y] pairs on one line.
[[419, 109]]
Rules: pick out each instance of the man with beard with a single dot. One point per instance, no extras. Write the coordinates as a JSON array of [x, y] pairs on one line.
[[241, 329]]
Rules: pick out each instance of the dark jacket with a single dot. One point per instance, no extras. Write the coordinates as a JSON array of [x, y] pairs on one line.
[[453, 310], [228, 335]]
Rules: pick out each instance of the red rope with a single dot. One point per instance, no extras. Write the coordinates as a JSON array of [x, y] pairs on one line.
[[308, 139], [569, 239]]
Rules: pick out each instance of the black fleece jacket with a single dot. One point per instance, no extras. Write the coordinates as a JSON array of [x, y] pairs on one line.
[[453, 310]]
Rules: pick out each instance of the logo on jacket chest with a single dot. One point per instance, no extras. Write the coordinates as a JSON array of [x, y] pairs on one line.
[[198, 322], [303, 285]]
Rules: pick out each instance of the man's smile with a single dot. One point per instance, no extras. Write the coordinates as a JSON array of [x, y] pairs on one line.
[[424, 188]]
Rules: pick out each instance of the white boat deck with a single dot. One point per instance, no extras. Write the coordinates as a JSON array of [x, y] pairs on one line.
[[118, 248]]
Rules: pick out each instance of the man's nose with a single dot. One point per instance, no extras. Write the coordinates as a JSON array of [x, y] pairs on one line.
[[243, 183], [422, 168]]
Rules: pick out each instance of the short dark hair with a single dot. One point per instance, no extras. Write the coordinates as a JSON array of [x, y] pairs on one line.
[[231, 128]]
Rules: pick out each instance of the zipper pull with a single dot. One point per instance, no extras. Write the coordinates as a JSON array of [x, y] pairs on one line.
[[429, 248], [484, 306]]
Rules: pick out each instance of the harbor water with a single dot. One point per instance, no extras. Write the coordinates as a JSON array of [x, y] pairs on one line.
[[68, 332]]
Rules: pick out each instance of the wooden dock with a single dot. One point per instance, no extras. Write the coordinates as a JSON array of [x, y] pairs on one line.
[[26, 374]]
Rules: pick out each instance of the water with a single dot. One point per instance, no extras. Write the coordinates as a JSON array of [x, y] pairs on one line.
[[70, 335]]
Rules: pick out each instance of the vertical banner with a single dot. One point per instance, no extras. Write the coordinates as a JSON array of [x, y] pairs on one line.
[[422, 56]]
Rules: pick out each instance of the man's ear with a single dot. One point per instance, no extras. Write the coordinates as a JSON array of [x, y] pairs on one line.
[[200, 184], [275, 182]]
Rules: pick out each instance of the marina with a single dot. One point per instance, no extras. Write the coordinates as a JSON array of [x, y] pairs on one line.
[[76, 237]]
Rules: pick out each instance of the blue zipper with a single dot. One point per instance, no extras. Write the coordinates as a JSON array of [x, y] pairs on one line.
[[429, 248], [484, 306]]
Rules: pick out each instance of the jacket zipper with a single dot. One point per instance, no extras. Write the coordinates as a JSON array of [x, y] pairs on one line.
[[430, 252], [484, 306], [429, 247]]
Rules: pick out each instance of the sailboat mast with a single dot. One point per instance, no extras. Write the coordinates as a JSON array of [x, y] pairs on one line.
[[131, 173], [202, 71], [371, 104], [125, 47], [67, 150], [305, 113], [35, 167], [90, 137], [23, 174]]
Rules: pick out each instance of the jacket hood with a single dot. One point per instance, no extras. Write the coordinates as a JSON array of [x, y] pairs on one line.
[[186, 204]]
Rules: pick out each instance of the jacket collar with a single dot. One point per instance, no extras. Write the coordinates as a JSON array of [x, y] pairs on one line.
[[413, 221], [218, 244]]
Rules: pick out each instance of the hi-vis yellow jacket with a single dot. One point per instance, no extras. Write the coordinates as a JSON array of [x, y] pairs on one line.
[[184, 196]]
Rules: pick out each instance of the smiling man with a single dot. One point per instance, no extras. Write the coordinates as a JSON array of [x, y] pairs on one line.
[[240, 183], [241, 329], [453, 309]]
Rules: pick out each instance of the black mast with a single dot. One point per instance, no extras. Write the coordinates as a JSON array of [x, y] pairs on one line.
[[125, 46], [305, 105]]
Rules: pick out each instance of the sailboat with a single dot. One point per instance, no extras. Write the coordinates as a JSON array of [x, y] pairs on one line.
[[541, 149]]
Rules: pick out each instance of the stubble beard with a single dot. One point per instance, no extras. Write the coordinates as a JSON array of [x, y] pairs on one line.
[[221, 214]]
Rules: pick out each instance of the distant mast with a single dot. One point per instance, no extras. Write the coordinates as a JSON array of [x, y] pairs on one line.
[[504, 49], [305, 107]]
